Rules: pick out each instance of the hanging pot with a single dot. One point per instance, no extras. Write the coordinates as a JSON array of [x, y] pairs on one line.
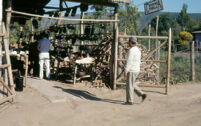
[[74, 11], [73, 40], [35, 23], [87, 30], [70, 26], [92, 29], [83, 7], [64, 29], [67, 12]]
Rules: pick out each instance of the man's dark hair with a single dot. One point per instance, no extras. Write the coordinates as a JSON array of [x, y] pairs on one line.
[[45, 34], [133, 40]]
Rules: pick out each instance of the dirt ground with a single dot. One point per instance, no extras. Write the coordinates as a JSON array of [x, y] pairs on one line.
[[87, 106]]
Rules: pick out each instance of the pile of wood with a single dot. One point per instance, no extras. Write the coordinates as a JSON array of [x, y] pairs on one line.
[[102, 54], [148, 69]]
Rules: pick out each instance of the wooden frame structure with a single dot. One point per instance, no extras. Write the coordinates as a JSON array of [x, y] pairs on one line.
[[146, 59], [8, 70], [114, 50], [110, 3]]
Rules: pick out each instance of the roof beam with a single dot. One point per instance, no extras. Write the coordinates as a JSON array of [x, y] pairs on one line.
[[95, 2]]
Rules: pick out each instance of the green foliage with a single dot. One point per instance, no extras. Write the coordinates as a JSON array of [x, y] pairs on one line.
[[183, 18], [164, 23], [128, 15], [15, 33]]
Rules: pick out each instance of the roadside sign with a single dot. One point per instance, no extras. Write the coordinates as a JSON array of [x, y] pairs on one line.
[[153, 6]]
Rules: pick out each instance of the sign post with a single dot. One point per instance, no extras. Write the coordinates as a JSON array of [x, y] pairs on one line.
[[153, 6]]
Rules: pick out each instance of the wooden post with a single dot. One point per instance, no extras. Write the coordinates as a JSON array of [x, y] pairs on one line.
[[192, 57], [157, 56], [149, 40], [169, 60], [8, 16], [32, 31], [26, 69], [116, 33], [7, 52], [75, 75]]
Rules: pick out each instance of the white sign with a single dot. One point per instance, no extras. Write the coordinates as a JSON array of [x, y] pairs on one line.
[[153, 6]]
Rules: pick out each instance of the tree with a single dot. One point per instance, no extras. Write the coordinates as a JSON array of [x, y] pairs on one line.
[[164, 23], [183, 18], [185, 38], [128, 15]]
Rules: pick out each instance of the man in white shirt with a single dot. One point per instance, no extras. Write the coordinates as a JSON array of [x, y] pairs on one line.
[[131, 72], [44, 48]]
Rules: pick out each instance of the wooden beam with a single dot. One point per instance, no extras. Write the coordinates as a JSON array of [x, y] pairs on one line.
[[145, 85], [4, 66], [160, 61], [95, 2], [66, 19], [143, 37], [153, 51], [7, 99]]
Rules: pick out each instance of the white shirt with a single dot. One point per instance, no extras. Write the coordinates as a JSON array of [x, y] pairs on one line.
[[133, 60]]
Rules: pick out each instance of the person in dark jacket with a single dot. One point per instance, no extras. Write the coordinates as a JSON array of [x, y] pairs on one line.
[[44, 57]]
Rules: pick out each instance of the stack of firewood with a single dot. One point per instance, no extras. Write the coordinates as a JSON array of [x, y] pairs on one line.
[[148, 69], [102, 54]]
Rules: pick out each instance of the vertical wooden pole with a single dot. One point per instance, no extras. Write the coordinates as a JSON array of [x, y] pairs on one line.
[[26, 69], [157, 56], [149, 40], [8, 16], [6, 42], [116, 33], [82, 30], [7, 52], [197, 52], [169, 60], [81, 25], [192, 57], [32, 31], [60, 13]]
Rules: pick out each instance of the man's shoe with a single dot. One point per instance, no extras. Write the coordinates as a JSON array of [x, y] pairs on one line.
[[128, 103], [144, 96]]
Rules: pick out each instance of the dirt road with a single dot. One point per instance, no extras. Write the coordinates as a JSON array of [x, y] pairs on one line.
[[103, 107]]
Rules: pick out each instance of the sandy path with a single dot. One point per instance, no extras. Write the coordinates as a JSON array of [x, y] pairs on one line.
[[103, 107]]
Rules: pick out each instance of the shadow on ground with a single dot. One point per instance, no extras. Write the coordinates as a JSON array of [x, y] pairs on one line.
[[87, 95]]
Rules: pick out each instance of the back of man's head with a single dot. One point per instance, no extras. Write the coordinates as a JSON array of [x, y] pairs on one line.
[[133, 40]]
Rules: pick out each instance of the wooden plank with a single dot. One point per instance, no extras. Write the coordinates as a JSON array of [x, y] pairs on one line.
[[143, 37], [95, 2], [7, 99], [4, 66], [169, 61], [153, 51], [66, 19], [160, 61], [6, 86], [2, 35], [145, 85]]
